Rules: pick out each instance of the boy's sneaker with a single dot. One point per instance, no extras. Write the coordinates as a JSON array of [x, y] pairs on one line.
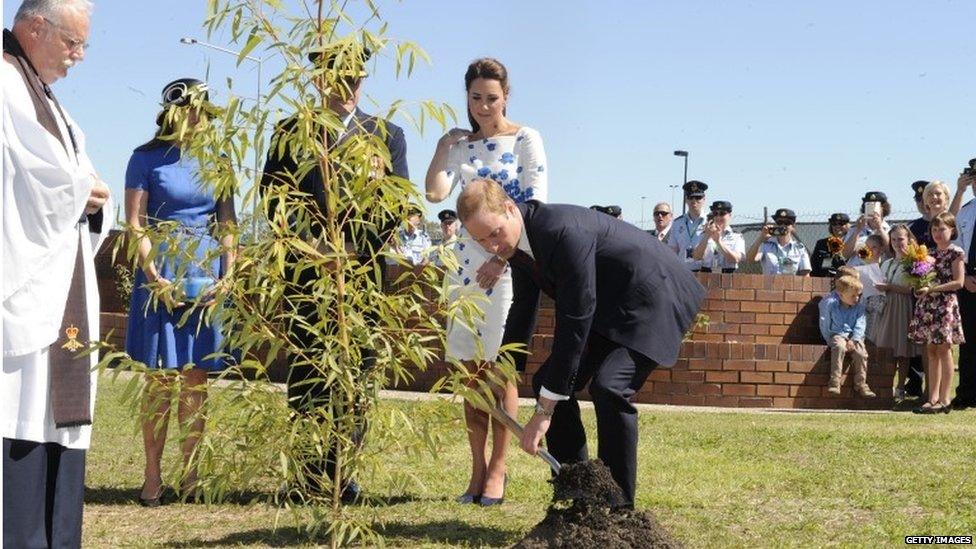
[[834, 389], [900, 394]]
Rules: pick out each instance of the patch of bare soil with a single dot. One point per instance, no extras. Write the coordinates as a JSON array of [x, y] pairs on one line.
[[592, 520]]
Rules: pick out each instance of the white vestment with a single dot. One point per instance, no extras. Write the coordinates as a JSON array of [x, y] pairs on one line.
[[46, 186]]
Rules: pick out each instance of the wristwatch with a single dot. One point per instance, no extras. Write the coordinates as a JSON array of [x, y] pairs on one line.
[[541, 410]]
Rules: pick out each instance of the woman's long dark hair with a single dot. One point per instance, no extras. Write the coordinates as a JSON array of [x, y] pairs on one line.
[[489, 69]]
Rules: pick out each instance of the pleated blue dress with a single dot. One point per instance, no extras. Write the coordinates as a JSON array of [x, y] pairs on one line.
[[154, 335]]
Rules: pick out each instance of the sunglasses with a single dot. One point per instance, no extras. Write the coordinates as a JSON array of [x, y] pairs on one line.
[[661, 214]]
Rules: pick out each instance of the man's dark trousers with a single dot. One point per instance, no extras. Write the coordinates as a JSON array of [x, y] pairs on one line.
[[966, 392], [43, 494], [306, 388], [615, 373]]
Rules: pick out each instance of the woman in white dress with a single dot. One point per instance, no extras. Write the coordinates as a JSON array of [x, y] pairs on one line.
[[513, 156]]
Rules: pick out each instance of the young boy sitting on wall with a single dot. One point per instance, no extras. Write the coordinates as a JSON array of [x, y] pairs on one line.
[[842, 324]]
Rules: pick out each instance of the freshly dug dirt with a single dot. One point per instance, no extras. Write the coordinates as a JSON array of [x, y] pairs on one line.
[[590, 520]]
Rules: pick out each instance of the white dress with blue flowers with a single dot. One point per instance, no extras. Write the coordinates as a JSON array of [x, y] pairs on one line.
[[518, 163]]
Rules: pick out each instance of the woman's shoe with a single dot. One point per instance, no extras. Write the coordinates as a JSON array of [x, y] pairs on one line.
[[946, 408], [466, 499], [489, 501], [927, 408], [161, 499]]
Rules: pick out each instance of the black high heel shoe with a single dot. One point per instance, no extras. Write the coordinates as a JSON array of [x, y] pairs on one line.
[[163, 498], [466, 498], [489, 501]]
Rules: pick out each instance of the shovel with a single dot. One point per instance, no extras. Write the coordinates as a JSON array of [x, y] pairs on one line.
[[502, 416]]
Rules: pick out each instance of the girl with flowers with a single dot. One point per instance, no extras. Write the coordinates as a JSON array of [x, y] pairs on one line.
[[935, 321], [891, 329]]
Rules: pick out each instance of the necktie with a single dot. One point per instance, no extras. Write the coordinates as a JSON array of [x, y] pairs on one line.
[[523, 259]]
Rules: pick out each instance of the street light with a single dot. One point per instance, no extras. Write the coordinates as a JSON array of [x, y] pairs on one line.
[[685, 155], [257, 153], [673, 188], [642, 212]]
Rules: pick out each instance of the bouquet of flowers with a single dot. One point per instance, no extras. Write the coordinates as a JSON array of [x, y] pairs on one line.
[[865, 254], [835, 245], [919, 265]]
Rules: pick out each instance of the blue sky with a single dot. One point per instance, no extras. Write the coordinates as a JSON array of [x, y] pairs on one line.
[[803, 105]]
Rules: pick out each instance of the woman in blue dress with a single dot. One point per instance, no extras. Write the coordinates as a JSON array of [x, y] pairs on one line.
[[164, 192]]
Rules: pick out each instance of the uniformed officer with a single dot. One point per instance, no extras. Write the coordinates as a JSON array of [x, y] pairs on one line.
[[720, 248], [687, 229], [824, 262], [611, 210], [920, 226], [870, 222], [776, 248]]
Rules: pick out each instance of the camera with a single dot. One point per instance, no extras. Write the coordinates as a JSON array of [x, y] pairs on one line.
[[971, 170], [709, 217], [779, 230]]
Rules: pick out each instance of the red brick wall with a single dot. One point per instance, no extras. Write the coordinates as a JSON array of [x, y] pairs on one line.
[[761, 348]]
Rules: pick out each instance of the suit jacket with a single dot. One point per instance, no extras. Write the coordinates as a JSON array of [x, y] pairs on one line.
[[608, 277], [279, 165]]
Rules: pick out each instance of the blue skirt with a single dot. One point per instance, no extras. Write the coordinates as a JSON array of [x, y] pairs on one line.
[[155, 336]]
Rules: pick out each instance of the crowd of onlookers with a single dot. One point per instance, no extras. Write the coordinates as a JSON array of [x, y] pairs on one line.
[[875, 297], [878, 296]]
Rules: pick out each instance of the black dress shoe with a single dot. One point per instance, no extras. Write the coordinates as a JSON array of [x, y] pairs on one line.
[[960, 403]]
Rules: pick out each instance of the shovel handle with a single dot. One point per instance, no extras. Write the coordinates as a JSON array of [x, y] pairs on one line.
[[509, 421]]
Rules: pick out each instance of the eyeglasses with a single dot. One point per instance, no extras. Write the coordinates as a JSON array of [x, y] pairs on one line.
[[661, 214], [74, 44], [696, 198]]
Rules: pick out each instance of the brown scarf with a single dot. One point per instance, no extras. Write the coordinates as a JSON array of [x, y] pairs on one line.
[[69, 371]]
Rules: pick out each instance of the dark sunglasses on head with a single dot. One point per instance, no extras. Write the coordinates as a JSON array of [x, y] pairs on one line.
[[661, 214]]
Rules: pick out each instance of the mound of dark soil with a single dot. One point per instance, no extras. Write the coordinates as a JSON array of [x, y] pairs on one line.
[[591, 521]]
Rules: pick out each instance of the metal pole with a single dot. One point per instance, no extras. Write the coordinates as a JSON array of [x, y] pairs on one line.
[[642, 212], [684, 204], [257, 164], [258, 103]]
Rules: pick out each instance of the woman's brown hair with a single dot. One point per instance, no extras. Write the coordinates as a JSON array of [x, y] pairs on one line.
[[489, 69]]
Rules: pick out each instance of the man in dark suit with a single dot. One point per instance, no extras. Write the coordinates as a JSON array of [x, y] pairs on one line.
[[623, 304], [306, 388]]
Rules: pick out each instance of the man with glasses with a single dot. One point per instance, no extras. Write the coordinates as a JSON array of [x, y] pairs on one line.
[[52, 225], [825, 263], [688, 228], [720, 248], [662, 222], [776, 248]]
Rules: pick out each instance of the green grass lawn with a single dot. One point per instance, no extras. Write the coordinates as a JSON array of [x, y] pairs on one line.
[[715, 479]]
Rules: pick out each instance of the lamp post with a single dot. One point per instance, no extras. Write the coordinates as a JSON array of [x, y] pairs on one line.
[[642, 213], [257, 153], [673, 188], [685, 155]]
